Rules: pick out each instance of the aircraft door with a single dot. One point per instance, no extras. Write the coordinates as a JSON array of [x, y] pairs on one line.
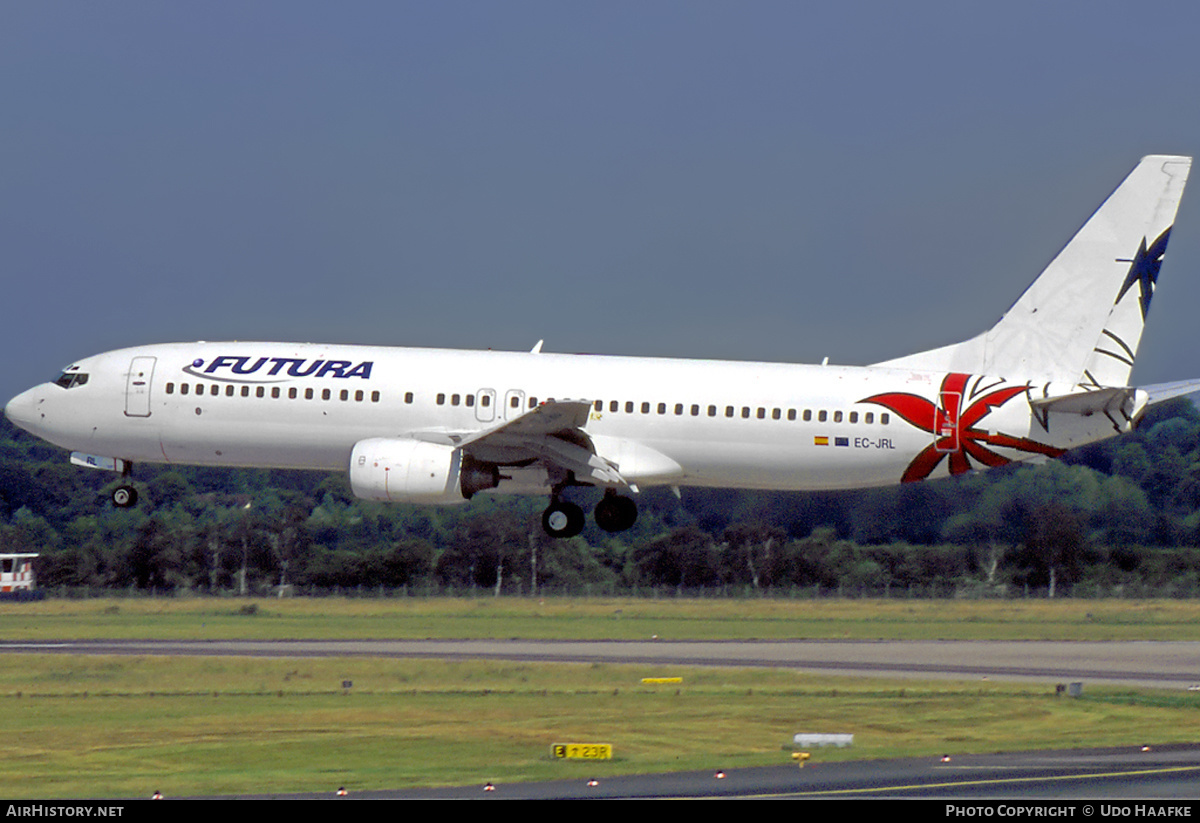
[[485, 405], [137, 387], [945, 435], [514, 403]]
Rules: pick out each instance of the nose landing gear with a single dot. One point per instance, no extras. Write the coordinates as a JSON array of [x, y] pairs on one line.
[[123, 497]]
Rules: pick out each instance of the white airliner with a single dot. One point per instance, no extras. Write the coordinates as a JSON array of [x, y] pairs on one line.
[[438, 426]]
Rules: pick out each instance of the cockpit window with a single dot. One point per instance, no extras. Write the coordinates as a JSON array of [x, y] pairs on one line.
[[71, 379]]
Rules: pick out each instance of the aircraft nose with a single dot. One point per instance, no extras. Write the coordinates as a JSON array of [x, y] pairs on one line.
[[22, 409]]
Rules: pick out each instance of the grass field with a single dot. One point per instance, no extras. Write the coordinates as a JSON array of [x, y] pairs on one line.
[[602, 619], [123, 727]]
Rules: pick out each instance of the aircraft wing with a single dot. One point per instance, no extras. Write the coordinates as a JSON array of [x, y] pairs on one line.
[[551, 418], [553, 432]]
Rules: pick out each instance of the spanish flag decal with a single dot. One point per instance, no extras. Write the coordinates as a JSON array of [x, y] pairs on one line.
[[820, 441]]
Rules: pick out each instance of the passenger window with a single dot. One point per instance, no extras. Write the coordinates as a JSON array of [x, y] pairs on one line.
[[712, 411], [408, 396], [275, 392], [746, 412], [614, 406], [292, 393], [837, 417], [375, 397], [245, 391], [629, 407], [884, 418], [199, 388], [762, 413], [729, 411], [791, 414], [598, 405], [485, 401], [853, 417], [776, 414], [645, 408], [183, 388], [533, 402], [441, 399], [869, 417], [358, 396], [822, 416], [470, 401], [229, 391], [170, 388], [662, 408], [808, 415], [695, 410], [515, 402], [325, 394], [260, 392], [678, 408], [215, 390], [454, 399], [308, 394]]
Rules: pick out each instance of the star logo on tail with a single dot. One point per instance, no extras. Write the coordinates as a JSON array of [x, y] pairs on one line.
[[1144, 270]]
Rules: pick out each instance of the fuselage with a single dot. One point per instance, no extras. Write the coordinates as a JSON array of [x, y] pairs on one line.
[[679, 422]]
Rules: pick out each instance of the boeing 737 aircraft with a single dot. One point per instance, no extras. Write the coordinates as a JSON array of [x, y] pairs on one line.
[[438, 426]]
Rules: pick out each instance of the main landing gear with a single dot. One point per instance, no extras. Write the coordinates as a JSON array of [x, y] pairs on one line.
[[562, 519], [614, 513]]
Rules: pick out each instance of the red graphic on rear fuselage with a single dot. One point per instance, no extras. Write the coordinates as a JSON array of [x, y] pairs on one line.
[[952, 421]]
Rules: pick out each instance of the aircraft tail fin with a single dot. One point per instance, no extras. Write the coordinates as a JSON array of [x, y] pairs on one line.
[[1082, 319]]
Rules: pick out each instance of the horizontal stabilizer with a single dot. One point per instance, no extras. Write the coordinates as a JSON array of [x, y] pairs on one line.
[[1128, 401], [1168, 391], [1085, 402]]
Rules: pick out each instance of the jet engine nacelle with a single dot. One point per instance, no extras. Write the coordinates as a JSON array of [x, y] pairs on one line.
[[399, 470]]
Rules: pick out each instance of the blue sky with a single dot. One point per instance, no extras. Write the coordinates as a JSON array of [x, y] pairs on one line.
[[761, 180]]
